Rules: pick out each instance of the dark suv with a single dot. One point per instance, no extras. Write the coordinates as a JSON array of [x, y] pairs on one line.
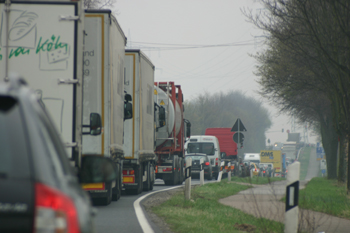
[[39, 190]]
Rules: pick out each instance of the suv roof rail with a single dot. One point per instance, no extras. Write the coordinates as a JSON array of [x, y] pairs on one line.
[[16, 81]]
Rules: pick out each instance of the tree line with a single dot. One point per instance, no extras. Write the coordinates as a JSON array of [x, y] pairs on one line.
[[222, 110], [304, 69]]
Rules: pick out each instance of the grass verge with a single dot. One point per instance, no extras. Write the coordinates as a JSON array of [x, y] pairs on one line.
[[327, 196], [205, 214]]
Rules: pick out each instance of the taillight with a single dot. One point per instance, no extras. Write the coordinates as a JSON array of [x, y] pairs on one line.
[[263, 171], [54, 211], [128, 172], [217, 163], [206, 163]]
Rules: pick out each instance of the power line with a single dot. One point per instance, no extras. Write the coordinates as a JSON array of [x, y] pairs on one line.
[[161, 46]]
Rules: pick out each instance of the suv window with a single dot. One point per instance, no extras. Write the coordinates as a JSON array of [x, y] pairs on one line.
[[13, 156]]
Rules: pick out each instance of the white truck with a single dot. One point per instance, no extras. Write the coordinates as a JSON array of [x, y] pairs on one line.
[[208, 145], [252, 157], [103, 93], [139, 132], [42, 41], [290, 150]]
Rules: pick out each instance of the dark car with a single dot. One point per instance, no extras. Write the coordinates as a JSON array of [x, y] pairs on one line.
[[195, 170], [40, 192]]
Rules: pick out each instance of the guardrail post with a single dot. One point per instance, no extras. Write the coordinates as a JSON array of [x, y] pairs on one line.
[[229, 171], [201, 174], [188, 178], [222, 166], [291, 216]]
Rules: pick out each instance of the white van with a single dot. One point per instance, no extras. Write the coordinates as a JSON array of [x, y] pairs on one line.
[[252, 157], [208, 145]]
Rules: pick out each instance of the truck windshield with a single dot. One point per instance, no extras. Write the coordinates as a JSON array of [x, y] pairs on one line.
[[201, 147]]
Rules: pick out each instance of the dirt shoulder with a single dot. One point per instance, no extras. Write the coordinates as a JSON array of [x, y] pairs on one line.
[[155, 200]]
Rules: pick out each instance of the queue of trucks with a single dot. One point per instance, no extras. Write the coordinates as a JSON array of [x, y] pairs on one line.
[[103, 99]]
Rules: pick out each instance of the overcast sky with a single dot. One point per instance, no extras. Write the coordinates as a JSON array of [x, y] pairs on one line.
[[203, 45]]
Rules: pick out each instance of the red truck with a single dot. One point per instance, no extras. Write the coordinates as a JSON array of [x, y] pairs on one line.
[[171, 132], [228, 147]]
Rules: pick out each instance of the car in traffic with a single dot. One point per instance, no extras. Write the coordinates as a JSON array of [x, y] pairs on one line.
[[196, 166], [40, 190], [266, 169], [245, 165]]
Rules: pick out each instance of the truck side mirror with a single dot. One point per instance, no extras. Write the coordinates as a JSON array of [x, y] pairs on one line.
[[188, 129], [223, 155], [95, 125], [162, 121], [127, 111], [127, 98]]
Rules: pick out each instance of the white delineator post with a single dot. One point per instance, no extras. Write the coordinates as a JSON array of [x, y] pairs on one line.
[[201, 174], [291, 217], [222, 166], [229, 171], [188, 178]]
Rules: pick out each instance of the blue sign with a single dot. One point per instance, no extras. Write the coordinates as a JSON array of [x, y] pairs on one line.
[[319, 152]]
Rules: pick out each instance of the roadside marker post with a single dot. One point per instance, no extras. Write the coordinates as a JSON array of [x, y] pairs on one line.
[[188, 179], [229, 171], [201, 173], [291, 217], [222, 166]]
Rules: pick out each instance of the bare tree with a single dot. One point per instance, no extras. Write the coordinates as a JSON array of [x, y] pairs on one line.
[[314, 37], [99, 4]]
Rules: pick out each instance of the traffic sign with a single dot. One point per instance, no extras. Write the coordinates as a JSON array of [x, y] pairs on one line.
[[238, 126], [238, 137]]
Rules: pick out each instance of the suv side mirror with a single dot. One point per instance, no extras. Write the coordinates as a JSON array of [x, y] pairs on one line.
[[97, 169]]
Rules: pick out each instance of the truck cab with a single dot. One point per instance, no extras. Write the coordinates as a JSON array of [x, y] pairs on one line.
[[208, 145]]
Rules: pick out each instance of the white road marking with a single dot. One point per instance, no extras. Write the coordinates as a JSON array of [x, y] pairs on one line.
[[146, 227]]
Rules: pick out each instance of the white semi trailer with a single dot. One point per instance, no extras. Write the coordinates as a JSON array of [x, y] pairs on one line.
[[103, 91], [139, 132], [42, 41]]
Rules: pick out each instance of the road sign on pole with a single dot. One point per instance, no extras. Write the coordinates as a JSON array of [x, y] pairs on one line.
[[238, 126]]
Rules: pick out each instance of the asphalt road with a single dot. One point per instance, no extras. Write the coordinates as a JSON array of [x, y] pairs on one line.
[[120, 216]]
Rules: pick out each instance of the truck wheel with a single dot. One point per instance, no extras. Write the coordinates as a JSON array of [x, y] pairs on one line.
[[176, 170], [147, 183], [140, 183], [181, 169], [107, 200], [117, 191]]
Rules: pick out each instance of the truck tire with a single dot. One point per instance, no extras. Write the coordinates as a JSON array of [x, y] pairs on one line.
[[107, 200], [117, 190], [182, 170], [147, 183], [140, 183]]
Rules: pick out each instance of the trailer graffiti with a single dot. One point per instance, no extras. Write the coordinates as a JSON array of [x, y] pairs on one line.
[[47, 46]]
